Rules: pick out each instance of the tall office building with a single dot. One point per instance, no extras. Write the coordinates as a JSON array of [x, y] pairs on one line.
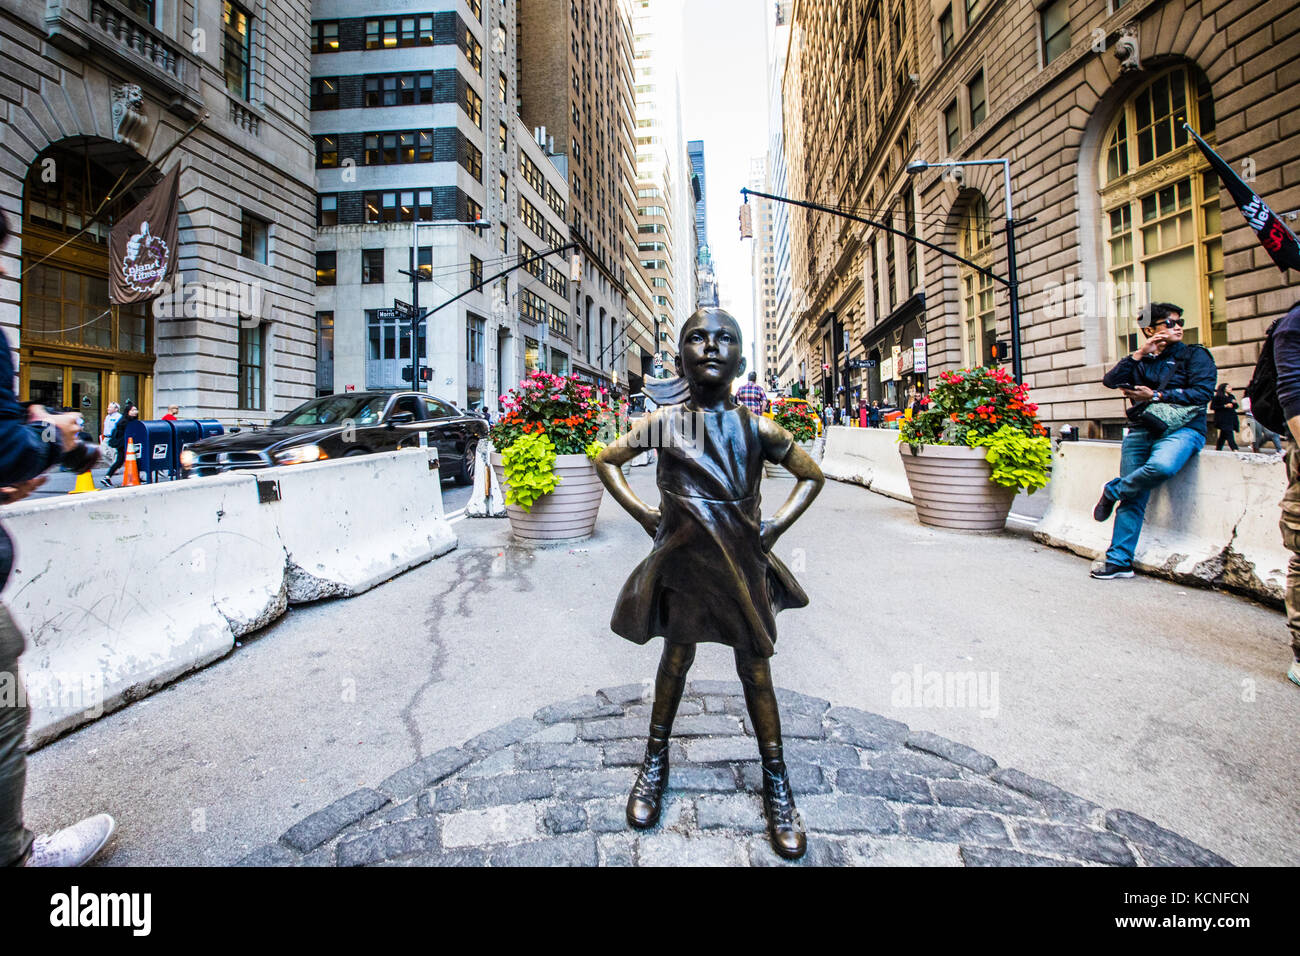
[[416, 127], [785, 370], [575, 63], [763, 270], [705, 279], [665, 201]]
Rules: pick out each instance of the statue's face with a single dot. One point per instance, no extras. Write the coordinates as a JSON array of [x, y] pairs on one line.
[[710, 349]]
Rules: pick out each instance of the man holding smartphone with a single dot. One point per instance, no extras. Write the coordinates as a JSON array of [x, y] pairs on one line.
[[1163, 371]]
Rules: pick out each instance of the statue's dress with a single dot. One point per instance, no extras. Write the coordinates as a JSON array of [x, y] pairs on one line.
[[708, 577]]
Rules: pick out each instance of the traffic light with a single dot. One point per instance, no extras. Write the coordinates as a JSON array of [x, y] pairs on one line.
[[406, 373], [426, 374], [1001, 352]]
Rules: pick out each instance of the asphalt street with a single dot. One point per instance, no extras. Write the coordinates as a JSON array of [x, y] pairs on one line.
[[1168, 701]]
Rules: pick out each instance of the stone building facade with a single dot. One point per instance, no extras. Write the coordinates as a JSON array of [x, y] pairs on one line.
[[97, 90], [1114, 205]]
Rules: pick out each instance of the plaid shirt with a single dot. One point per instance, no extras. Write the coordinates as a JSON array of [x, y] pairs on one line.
[[752, 397]]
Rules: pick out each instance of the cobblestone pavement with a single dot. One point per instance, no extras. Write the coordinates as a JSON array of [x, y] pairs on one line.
[[550, 790]]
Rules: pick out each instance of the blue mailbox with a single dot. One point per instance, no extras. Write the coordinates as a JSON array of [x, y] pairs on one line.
[[155, 449]]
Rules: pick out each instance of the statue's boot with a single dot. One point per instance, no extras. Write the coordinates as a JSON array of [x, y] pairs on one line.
[[784, 827], [646, 799]]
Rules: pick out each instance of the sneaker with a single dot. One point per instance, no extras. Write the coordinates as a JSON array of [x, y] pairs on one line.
[[72, 846], [1105, 505], [1293, 675], [106, 481], [1108, 571]]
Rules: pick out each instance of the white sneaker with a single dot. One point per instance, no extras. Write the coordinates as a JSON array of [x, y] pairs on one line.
[[74, 845], [1293, 674]]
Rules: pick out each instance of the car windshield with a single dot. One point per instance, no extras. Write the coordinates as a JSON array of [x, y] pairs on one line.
[[337, 409]]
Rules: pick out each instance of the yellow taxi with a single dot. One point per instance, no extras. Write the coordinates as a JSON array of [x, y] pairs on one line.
[[795, 401]]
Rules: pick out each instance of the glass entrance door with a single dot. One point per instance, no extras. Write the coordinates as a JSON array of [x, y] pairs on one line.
[[45, 386], [86, 399]]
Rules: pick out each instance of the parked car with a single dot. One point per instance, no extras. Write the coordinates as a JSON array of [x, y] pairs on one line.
[[341, 426]]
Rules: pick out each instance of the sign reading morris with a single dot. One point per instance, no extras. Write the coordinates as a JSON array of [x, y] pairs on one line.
[[142, 248]]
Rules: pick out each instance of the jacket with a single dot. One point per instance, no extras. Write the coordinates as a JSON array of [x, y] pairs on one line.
[[1183, 374], [24, 453]]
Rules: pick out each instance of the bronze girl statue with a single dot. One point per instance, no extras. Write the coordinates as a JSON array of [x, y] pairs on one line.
[[711, 576]]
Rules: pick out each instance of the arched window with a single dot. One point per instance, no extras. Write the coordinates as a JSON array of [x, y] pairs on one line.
[[978, 319], [1160, 208]]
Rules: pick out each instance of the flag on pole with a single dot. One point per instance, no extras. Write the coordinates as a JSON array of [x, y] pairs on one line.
[[142, 248], [1273, 233]]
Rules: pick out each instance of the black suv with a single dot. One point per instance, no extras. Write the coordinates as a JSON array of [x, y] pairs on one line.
[[340, 426]]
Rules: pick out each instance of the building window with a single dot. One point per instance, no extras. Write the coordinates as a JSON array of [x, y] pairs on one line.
[[327, 152], [530, 355], [974, 8], [473, 51], [251, 367], [473, 106], [398, 89], [237, 48], [474, 347], [144, 9], [325, 93], [325, 36], [372, 266], [475, 272], [324, 353], [424, 262], [951, 127], [473, 211], [945, 33], [1165, 235], [978, 318], [909, 214], [327, 210], [408, 205], [392, 32], [532, 306], [407, 146], [502, 187], [326, 268], [473, 160], [1055, 19], [253, 238], [501, 136], [503, 86], [977, 99]]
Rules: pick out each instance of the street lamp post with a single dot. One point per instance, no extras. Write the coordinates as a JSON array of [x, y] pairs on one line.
[[416, 318], [1013, 279]]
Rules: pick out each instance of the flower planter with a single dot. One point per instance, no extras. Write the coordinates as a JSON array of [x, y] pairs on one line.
[[779, 471], [951, 488], [568, 512]]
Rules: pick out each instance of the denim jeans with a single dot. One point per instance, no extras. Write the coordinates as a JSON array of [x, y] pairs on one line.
[[15, 839], [1144, 462]]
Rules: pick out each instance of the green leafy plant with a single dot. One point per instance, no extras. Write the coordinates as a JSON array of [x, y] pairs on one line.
[[984, 407], [529, 464], [1018, 460], [796, 418]]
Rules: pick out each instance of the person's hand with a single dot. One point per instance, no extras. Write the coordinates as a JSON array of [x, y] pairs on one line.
[[649, 519], [1139, 393], [1149, 347], [69, 426], [20, 489], [37, 413]]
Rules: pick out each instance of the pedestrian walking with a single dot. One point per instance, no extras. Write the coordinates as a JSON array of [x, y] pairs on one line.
[[1284, 344], [751, 394], [1169, 382], [171, 413], [864, 415], [117, 441], [874, 418], [111, 419], [1261, 436], [24, 456], [1224, 407]]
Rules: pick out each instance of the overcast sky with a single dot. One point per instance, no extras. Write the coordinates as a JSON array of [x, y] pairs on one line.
[[724, 103]]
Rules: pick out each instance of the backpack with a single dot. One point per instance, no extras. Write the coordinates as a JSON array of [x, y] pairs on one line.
[[1262, 390]]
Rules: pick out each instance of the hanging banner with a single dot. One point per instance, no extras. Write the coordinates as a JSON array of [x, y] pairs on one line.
[[1271, 231], [142, 248], [919, 362]]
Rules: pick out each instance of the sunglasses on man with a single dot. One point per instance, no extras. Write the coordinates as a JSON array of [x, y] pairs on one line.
[[1169, 323]]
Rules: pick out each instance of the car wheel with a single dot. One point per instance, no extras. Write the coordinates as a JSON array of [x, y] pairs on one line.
[[466, 476]]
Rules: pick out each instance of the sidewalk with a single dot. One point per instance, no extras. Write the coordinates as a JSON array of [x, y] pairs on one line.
[[1138, 694]]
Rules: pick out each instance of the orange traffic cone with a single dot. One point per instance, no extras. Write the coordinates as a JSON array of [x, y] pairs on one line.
[[85, 482], [131, 471]]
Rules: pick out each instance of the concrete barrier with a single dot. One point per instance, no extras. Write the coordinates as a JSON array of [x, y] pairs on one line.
[[1215, 523], [119, 592], [868, 457], [351, 524]]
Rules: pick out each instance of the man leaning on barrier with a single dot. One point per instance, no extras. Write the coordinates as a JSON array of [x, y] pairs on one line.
[[25, 453], [1169, 383]]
